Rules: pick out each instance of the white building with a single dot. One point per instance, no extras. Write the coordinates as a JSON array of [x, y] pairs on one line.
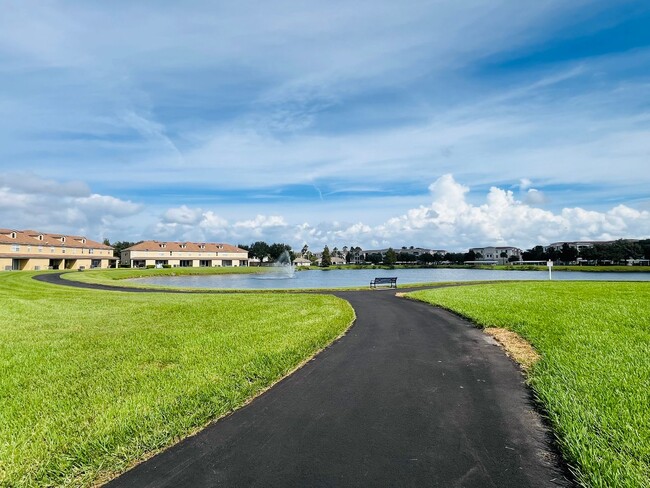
[[498, 254]]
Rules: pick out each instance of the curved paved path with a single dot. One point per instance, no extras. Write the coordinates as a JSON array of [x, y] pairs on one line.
[[411, 396]]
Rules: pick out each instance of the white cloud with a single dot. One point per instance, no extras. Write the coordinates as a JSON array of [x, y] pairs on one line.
[[535, 197], [525, 184], [449, 221], [183, 215], [27, 201]]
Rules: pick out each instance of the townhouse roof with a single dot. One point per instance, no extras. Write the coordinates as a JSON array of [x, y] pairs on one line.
[[301, 260], [185, 247], [36, 238]]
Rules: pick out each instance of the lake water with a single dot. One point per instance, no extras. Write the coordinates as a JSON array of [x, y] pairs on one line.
[[340, 278]]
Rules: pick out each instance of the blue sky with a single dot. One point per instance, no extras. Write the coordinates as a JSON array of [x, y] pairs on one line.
[[428, 123]]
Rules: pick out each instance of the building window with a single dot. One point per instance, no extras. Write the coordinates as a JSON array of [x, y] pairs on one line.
[[15, 248], [91, 251], [40, 248], [63, 239], [13, 235]]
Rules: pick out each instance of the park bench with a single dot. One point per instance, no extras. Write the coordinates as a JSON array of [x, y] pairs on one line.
[[384, 281]]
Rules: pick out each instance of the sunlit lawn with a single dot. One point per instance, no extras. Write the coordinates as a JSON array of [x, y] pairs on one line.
[[594, 376], [92, 381]]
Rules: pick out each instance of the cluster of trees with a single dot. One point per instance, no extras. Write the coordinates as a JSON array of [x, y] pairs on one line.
[[119, 246], [261, 250], [615, 252]]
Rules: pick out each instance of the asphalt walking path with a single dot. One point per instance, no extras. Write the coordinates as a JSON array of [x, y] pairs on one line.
[[411, 396]]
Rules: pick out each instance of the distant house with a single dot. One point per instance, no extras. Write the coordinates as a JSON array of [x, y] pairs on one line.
[[183, 255], [301, 262], [335, 261], [33, 250], [494, 254]]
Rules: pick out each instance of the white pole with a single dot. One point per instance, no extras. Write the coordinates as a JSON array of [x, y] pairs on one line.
[[550, 267]]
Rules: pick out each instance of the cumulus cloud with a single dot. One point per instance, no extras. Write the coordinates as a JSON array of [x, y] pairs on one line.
[[448, 221], [183, 215], [27, 201], [535, 197]]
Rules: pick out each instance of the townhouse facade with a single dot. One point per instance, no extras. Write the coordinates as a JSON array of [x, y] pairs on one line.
[[183, 255], [31, 250]]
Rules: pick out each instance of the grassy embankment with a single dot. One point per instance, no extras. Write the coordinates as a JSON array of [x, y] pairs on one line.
[[108, 276], [594, 375], [93, 381]]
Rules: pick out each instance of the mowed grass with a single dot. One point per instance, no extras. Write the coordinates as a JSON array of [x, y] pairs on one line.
[[92, 381], [594, 376], [116, 276]]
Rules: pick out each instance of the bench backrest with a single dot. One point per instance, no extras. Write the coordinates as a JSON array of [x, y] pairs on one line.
[[385, 280]]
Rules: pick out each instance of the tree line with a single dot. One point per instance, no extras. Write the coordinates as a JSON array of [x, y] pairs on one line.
[[600, 253]]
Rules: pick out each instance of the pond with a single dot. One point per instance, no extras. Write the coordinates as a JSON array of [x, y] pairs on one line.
[[341, 278]]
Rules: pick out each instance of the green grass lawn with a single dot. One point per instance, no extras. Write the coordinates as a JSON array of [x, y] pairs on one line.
[[594, 376], [93, 381], [117, 276]]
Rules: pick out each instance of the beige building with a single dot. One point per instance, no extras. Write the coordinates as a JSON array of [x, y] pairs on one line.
[[183, 255], [33, 250]]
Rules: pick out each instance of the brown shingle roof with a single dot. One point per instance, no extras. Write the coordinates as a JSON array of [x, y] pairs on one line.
[[31, 238], [184, 246]]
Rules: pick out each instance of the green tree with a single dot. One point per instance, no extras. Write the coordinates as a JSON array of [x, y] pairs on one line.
[[374, 258], [470, 256], [259, 250], [120, 246], [535, 254], [276, 250], [390, 258], [455, 257], [326, 258], [568, 254]]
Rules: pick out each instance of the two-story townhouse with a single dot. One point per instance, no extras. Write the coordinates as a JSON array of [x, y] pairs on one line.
[[183, 254], [33, 250]]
